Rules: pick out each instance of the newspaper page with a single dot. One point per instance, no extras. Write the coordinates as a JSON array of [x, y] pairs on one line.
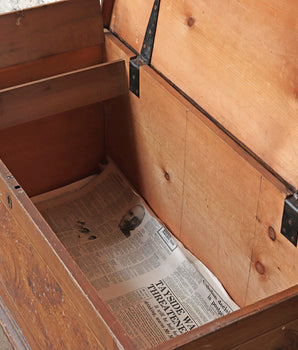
[[155, 287]]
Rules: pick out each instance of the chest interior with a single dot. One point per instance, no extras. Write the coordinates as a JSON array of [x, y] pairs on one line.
[[65, 107]]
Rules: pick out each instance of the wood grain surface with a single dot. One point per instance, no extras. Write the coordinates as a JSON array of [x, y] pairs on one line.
[[50, 298], [140, 139], [236, 59], [49, 66], [51, 152], [107, 10], [253, 325], [204, 186], [221, 193], [284, 337], [274, 264], [51, 29], [61, 93], [43, 305]]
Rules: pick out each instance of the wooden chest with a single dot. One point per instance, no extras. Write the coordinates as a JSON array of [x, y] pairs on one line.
[[211, 143]]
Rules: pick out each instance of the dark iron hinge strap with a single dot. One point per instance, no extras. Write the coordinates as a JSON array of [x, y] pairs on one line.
[[289, 227], [146, 53]]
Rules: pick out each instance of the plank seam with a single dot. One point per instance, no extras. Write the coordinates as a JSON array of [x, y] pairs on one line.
[[184, 170], [254, 239]]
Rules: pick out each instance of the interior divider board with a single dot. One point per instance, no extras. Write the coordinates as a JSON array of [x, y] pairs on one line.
[[72, 147], [50, 29], [51, 65], [240, 67], [60, 93]]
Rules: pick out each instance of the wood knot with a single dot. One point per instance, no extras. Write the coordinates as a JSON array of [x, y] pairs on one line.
[[167, 176], [272, 233], [9, 201], [260, 268], [190, 21]]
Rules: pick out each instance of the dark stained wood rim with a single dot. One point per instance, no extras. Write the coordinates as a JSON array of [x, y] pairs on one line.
[[107, 10], [242, 325]]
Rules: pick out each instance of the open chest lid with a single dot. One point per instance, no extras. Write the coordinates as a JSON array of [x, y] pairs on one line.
[[237, 60]]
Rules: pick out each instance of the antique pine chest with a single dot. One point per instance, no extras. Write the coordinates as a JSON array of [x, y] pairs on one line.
[[209, 138]]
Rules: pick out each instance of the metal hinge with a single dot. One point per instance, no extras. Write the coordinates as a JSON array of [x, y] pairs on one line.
[[289, 226], [146, 53]]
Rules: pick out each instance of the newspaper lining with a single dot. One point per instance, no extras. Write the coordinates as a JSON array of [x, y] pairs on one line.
[[155, 287]]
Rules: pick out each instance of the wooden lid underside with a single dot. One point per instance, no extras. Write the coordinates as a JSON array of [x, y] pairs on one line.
[[236, 59]]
